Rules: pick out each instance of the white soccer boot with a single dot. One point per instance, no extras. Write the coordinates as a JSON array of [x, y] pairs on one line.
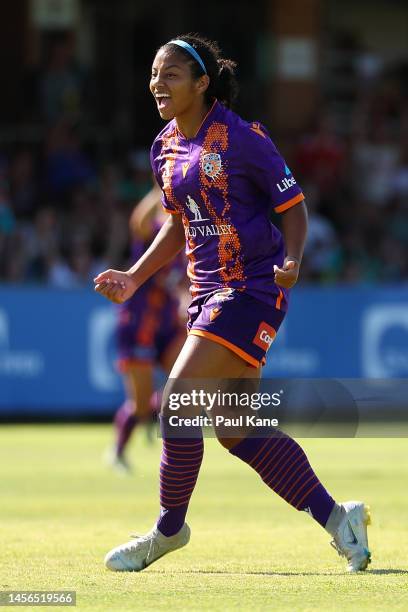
[[142, 551], [350, 539], [118, 462]]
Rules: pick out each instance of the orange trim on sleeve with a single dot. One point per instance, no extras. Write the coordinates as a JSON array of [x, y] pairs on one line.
[[235, 349], [290, 203], [170, 212], [256, 127]]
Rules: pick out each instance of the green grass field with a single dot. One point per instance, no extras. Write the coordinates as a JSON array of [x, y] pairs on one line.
[[61, 510]]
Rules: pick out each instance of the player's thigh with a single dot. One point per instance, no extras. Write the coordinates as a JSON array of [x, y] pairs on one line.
[[139, 387], [230, 435], [203, 358], [203, 366], [172, 351]]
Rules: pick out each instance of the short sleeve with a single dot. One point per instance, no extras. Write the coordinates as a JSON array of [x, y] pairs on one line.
[[267, 169], [158, 168]]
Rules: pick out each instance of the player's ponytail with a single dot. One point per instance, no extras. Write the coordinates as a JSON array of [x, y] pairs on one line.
[[204, 57], [226, 84]]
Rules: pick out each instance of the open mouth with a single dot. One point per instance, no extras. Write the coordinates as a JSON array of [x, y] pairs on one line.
[[162, 100]]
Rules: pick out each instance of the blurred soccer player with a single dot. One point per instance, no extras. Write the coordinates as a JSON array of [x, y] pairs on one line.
[[220, 178], [149, 331]]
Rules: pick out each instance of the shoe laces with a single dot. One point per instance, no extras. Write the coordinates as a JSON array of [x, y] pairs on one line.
[[348, 554], [337, 548], [131, 546], [153, 551], [147, 537]]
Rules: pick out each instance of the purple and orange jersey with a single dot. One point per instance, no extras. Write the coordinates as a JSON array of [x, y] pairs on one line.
[[224, 182]]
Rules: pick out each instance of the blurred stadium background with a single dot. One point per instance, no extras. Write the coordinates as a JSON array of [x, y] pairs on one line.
[[329, 79]]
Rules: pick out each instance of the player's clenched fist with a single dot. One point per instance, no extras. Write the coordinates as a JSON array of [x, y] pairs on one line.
[[115, 285], [287, 275]]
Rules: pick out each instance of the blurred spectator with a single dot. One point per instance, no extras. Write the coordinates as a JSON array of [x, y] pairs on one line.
[[375, 161], [394, 258], [368, 66], [399, 180], [66, 165], [320, 158], [41, 242], [77, 270], [140, 174], [62, 83], [59, 274], [322, 251], [7, 218], [23, 184], [397, 223]]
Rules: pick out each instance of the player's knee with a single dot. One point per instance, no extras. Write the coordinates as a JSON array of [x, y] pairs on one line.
[[227, 443], [131, 406], [143, 412], [178, 399]]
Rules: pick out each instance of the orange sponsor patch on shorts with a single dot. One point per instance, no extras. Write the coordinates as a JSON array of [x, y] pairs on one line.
[[264, 336]]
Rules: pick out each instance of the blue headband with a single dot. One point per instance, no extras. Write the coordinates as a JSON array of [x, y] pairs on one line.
[[191, 50]]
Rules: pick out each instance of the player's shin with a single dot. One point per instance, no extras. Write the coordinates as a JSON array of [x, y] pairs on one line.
[[283, 466], [125, 421], [179, 468]]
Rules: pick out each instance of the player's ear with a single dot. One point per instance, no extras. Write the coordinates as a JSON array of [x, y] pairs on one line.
[[202, 84]]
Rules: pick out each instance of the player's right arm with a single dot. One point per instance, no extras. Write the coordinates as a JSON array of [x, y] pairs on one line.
[[119, 286]]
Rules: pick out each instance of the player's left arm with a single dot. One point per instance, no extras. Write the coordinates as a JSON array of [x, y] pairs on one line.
[[294, 229], [267, 169]]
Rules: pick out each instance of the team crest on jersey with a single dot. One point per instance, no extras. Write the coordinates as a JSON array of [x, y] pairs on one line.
[[211, 164]]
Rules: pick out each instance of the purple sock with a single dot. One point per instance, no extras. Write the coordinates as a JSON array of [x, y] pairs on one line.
[[156, 401], [179, 467], [125, 421], [284, 467]]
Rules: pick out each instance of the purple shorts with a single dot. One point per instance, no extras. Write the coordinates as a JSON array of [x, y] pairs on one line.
[[147, 325], [238, 321]]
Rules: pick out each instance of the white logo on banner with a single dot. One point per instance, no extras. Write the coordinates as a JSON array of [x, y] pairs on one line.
[[101, 367], [379, 361], [23, 364]]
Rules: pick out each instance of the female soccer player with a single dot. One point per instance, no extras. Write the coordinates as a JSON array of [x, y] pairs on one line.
[[149, 330], [220, 177]]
